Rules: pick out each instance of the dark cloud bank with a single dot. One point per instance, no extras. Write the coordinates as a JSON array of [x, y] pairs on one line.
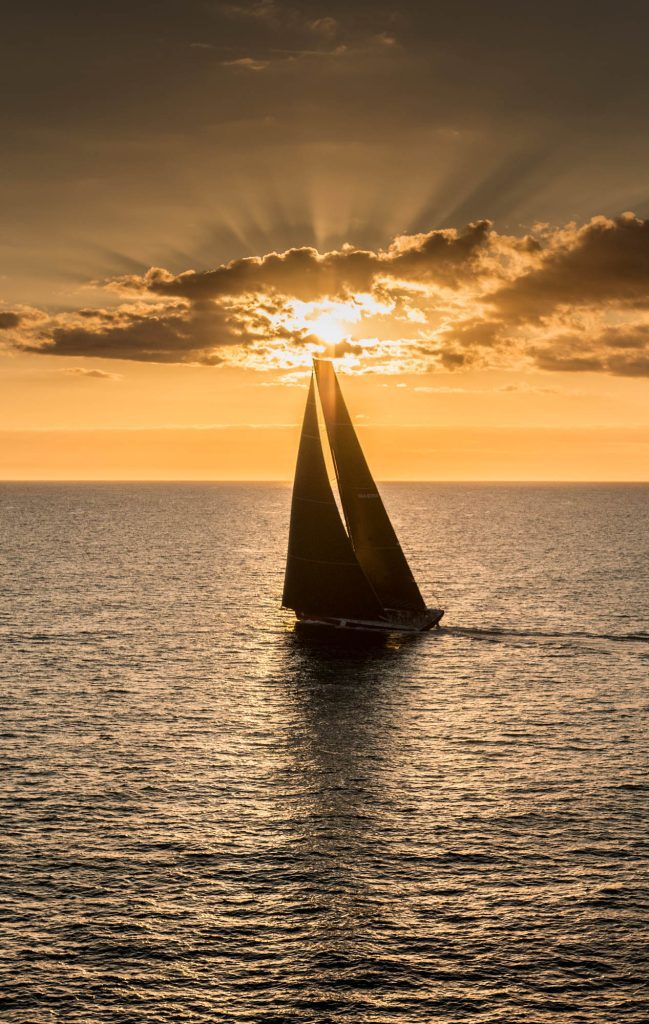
[[571, 298]]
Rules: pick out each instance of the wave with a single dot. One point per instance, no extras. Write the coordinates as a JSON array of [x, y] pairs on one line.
[[497, 632]]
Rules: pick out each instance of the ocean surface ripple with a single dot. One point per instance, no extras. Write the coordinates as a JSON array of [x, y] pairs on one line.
[[208, 816]]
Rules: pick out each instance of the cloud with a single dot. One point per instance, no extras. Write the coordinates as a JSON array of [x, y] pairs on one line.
[[159, 334], [268, 11], [626, 366], [604, 261], [246, 64], [81, 371], [327, 27], [622, 351], [8, 320], [568, 299], [288, 35], [294, 21], [444, 257]]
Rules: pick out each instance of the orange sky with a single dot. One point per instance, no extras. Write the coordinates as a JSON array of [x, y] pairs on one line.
[[404, 453], [438, 197], [165, 422]]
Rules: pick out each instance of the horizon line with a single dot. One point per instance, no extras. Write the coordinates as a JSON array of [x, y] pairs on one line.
[[287, 481]]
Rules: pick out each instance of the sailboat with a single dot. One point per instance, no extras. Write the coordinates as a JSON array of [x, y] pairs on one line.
[[350, 575]]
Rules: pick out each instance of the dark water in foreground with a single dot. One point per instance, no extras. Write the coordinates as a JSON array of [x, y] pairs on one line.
[[210, 818]]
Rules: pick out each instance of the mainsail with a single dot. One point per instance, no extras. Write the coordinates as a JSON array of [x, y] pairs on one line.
[[323, 574], [374, 541]]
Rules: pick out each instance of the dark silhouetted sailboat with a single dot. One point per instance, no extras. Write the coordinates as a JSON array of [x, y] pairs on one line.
[[355, 577]]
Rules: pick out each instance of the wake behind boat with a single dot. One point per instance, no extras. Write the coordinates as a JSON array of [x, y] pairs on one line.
[[350, 575]]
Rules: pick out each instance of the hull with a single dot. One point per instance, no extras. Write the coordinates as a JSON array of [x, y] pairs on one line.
[[398, 622]]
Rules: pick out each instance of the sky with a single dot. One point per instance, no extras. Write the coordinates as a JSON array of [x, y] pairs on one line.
[[450, 199]]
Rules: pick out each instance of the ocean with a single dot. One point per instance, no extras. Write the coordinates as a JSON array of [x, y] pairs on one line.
[[208, 817]]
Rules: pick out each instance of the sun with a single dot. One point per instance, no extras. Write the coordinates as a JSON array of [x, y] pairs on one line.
[[329, 328], [329, 320], [325, 325]]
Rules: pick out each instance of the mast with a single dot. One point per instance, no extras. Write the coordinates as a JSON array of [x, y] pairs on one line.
[[323, 575], [375, 543]]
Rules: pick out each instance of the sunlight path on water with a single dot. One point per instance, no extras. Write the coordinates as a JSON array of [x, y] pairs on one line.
[[211, 816]]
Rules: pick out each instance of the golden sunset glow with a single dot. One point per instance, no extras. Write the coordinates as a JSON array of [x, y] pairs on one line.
[[328, 327], [172, 259], [324, 477]]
